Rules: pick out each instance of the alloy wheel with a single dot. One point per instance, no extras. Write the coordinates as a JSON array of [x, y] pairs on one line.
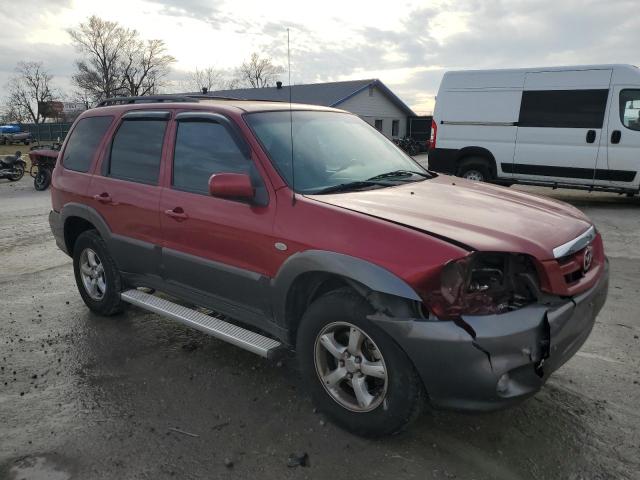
[[92, 274], [350, 367]]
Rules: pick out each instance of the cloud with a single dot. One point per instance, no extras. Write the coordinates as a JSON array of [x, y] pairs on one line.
[[407, 45]]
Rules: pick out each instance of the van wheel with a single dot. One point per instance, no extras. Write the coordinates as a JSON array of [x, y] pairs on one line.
[[355, 372], [475, 169], [97, 276]]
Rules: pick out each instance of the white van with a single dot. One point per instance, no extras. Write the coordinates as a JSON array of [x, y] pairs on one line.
[[572, 127]]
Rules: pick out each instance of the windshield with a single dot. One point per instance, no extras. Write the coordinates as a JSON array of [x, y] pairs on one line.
[[330, 150]]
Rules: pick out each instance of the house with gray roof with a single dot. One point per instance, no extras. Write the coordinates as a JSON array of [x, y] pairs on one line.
[[370, 99]]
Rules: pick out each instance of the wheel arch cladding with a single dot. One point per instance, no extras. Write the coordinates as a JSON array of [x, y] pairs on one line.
[[469, 152], [78, 218], [307, 275]]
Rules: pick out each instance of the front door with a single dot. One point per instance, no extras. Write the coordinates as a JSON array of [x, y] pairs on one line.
[[215, 246], [126, 191], [623, 138], [560, 126]]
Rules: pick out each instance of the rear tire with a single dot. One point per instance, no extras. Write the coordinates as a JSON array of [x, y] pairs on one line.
[[19, 168], [371, 389], [42, 180], [475, 168], [97, 275]]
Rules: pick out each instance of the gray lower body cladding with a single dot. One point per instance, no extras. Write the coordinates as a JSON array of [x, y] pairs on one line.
[[510, 358]]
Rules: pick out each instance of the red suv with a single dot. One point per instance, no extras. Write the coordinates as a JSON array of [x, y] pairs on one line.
[[304, 227]]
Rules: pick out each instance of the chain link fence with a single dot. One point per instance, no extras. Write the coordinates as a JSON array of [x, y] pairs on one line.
[[47, 132]]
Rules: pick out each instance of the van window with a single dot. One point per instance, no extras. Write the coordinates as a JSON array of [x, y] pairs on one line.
[[563, 108], [202, 149], [630, 109], [83, 142], [136, 150]]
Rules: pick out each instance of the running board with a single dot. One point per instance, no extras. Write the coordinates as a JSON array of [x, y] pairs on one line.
[[228, 332]]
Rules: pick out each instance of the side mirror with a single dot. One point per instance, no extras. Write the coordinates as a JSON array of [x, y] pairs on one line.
[[231, 185]]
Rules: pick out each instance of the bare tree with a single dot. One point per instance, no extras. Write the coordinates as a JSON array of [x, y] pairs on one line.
[[259, 72], [209, 78], [30, 85], [116, 61], [144, 67]]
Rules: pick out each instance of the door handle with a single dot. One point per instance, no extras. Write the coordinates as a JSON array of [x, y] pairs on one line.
[[591, 136], [616, 135], [104, 197], [177, 214]]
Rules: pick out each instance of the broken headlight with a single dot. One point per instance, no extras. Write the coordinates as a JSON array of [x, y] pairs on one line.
[[483, 284]]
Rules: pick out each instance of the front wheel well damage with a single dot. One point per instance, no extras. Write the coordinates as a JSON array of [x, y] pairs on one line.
[[310, 286]]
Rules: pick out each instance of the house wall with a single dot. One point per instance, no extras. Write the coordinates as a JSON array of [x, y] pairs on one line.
[[376, 107]]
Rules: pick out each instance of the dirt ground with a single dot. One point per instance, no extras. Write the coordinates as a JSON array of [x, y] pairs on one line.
[[139, 397]]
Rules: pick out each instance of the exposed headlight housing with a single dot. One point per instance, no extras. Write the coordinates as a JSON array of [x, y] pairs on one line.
[[483, 284]]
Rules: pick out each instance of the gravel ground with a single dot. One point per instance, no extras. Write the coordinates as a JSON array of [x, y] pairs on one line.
[[139, 397]]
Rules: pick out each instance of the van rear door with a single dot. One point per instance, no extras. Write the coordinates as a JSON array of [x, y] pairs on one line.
[[623, 138], [560, 126]]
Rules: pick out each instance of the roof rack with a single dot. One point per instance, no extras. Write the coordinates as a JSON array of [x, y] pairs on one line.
[[143, 99], [160, 99]]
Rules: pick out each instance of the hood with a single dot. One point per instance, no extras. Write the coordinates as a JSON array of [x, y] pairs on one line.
[[481, 216]]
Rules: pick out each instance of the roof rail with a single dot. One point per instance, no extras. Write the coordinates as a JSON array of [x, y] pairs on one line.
[[204, 96], [144, 99]]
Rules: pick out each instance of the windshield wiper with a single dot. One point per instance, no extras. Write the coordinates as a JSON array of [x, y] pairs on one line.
[[345, 187], [399, 173]]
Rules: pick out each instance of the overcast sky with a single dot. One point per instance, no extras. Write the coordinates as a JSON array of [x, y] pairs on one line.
[[406, 44]]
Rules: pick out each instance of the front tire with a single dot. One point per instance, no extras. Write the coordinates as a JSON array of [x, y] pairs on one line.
[[355, 372], [476, 169], [97, 275]]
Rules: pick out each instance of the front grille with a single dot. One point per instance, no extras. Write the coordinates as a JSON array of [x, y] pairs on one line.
[[572, 267]]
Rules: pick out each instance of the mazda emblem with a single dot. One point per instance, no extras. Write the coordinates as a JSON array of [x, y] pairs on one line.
[[587, 259]]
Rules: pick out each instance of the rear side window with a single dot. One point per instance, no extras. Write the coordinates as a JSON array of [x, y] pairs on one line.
[[136, 150], [83, 142], [630, 109], [563, 108], [202, 149]]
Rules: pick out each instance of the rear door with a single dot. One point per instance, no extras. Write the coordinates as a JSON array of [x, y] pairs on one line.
[[623, 137], [215, 246], [126, 191], [560, 126]]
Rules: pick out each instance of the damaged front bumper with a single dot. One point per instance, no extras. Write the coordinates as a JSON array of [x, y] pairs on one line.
[[502, 359]]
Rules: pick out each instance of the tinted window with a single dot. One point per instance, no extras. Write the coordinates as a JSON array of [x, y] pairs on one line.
[[136, 150], [202, 149], [83, 142], [630, 109], [563, 108]]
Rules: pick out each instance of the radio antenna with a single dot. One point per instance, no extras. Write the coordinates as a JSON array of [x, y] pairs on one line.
[[293, 170]]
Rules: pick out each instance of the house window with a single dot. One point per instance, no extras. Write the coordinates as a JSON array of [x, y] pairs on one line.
[[395, 128], [378, 125]]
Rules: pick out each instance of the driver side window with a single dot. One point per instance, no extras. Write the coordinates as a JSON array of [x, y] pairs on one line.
[[630, 109]]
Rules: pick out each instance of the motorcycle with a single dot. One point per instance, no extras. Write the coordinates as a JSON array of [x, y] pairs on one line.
[[43, 161], [12, 167], [408, 144]]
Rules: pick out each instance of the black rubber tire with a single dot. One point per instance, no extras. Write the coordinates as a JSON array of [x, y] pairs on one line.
[[42, 180], [477, 164], [110, 304], [405, 392], [15, 178]]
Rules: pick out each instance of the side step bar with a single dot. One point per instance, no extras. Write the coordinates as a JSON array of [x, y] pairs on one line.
[[228, 332]]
